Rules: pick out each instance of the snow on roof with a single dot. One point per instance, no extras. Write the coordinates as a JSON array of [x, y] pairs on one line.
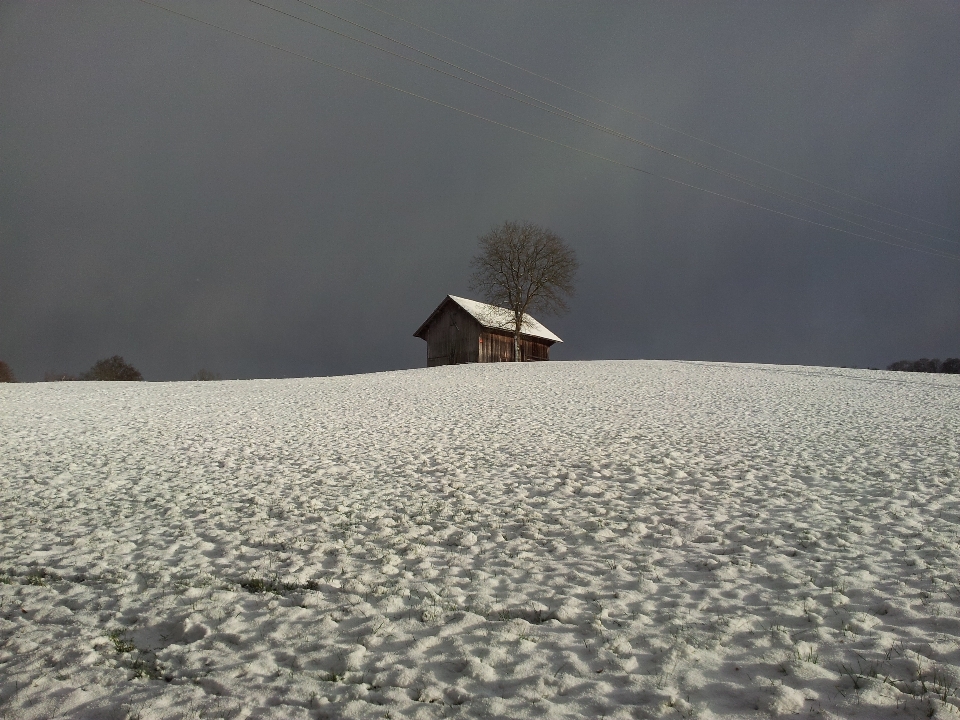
[[498, 318]]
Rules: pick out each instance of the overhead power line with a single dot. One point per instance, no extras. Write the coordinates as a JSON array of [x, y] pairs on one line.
[[657, 122], [541, 137], [560, 112]]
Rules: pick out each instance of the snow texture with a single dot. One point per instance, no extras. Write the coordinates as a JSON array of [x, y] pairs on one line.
[[498, 318], [542, 540]]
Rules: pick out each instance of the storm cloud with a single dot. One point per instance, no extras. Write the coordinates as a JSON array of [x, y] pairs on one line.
[[189, 198]]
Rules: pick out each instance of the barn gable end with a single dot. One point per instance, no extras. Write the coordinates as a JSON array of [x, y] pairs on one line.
[[452, 335]]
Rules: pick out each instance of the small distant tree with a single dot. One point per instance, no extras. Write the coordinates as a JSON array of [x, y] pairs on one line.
[[951, 366], [204, 374], [6, 374], [112, 368], [925, 365], [524, 268]]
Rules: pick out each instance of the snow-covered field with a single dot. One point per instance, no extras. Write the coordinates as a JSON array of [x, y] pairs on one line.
[[580, 540]]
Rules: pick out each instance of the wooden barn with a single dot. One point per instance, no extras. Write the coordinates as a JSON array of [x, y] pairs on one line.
[[466, 331]]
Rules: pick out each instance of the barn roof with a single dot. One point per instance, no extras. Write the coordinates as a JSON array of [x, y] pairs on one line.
[[494, 318]]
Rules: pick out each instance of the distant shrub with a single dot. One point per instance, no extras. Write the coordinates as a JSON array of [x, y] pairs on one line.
[[926, 365], [112, 368], [6, 374], [58, 377], [204, 374]]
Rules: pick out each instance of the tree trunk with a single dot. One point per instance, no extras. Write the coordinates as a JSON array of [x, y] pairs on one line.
[[516, 348]]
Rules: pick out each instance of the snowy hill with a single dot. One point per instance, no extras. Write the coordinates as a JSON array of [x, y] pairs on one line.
[[605, 539]]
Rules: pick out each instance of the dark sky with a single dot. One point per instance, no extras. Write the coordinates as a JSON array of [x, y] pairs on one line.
[[188, 198]]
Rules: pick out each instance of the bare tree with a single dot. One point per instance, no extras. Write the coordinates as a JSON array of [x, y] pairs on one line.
[[524, 268]]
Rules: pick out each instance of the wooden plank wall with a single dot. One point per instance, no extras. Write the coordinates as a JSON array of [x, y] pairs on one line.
[[498, 347], [452, 338]]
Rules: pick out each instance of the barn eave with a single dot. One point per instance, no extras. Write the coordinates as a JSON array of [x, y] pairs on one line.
[[478, 311]]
